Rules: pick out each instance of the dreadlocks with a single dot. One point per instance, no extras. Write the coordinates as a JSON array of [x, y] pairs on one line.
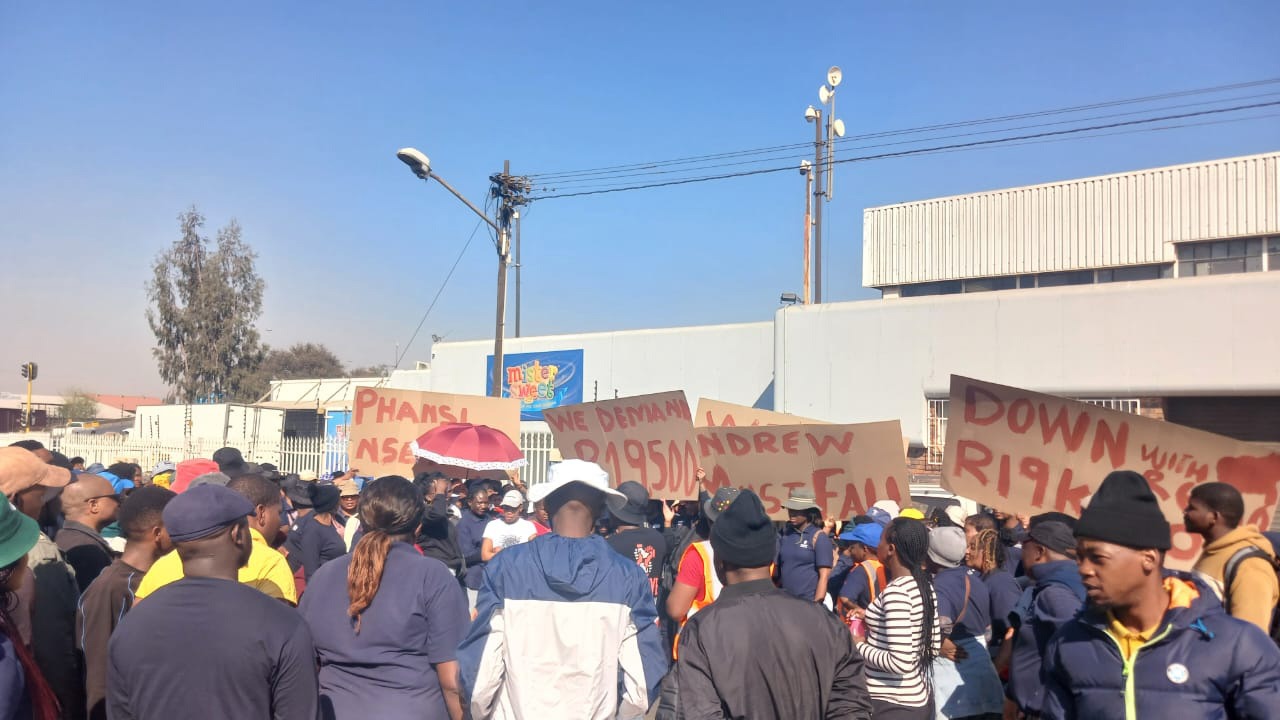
[[911, 539]]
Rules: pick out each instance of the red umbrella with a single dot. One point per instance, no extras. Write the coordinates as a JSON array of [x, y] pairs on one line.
[[475, 447]]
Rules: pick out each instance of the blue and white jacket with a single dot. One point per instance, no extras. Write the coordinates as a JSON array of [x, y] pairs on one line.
[[566, 628]]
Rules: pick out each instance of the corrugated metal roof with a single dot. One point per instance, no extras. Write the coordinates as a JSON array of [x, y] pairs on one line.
[[1131, 218]]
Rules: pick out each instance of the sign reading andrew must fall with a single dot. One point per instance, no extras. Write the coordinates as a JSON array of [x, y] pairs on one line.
[[651, 439], [1029, 453]]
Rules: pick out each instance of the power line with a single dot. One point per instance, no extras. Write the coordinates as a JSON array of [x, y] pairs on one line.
[[614, 169], [917, 151], [756, 161], [438, 293]]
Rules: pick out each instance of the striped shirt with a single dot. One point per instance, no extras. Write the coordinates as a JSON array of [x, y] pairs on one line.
[[892, 649]]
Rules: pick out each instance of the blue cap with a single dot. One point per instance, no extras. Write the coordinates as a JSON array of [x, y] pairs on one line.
[[867, 533], [880, 515], [204, 510]]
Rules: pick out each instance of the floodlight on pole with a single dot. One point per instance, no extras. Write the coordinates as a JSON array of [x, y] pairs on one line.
[[421, 167]]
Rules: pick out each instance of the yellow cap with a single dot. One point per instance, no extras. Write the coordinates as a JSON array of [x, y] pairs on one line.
[[912, 513]]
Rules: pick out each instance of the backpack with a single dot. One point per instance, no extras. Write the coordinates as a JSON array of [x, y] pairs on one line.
[[1229, 577]]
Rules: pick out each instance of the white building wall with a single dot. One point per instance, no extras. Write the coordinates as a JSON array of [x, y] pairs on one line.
[[878, 360], [1107, 221], [728, 362]]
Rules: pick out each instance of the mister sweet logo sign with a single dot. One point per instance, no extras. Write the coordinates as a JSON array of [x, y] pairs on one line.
[[539, 380]]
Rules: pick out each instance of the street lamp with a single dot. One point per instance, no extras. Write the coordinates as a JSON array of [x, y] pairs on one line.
[[823, 144], [420, 164]]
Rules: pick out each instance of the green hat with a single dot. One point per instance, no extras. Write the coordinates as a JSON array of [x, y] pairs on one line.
[[18, 533]]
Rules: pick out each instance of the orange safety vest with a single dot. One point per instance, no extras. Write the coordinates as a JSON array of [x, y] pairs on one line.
[[875, 575], [710, 587]]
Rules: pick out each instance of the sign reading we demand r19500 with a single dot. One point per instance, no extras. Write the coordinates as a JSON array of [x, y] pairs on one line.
[[539, 380]]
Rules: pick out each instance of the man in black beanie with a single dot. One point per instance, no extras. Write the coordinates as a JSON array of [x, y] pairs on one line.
[[1153, 642], [757, 651]]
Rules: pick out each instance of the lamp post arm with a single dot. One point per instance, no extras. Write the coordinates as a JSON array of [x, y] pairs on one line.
[[465, 201]]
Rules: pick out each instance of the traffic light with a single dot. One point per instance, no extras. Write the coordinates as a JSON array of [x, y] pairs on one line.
[[29, 370], [34, 367]]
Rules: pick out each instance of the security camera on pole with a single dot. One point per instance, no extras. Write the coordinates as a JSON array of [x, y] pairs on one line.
[[823, 141]]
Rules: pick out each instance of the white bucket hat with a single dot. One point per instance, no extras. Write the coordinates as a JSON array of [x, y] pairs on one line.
[[578, 471]]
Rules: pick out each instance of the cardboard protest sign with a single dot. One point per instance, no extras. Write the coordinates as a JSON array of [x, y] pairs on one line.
[[714, 413], [384, 421], [1026, 452], [847, 467], [648, 438]]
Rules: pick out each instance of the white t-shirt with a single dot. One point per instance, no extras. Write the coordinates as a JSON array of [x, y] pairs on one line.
[[504, 536]]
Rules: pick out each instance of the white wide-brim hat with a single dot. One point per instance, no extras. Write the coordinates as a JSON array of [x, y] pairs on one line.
[[578, 471]]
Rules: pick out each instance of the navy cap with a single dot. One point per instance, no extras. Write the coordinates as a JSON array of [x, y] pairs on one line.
[[203, 511]]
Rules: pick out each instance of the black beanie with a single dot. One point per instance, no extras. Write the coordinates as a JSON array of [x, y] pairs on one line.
[[1124, 511], [743, 534], [324, 498]]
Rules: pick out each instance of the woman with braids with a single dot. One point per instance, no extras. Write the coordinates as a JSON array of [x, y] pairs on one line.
[[24, 694], [986, 554], [902, 632], [387, 620]]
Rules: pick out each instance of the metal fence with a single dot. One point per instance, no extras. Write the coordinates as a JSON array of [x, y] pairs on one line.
[[289, 455]]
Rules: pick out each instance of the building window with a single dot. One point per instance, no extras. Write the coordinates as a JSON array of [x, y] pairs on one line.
[[944, 287], [936, 410], [936, 428], [1007, 282], [1135, 272], [1273, 253], [1220, 257], [1059, 279]]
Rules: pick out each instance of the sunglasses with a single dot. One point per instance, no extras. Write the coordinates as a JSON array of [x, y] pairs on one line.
[[113, 496]]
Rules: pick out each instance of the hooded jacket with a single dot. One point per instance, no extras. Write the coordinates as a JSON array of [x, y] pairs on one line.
[[1254, 589], [1200, 663], [1052, 602], [565, 628]]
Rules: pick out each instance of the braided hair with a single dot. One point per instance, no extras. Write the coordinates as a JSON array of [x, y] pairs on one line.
[[910, 538], [989, 552]]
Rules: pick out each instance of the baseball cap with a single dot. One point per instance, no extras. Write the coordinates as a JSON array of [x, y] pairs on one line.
[[513, 499], [20, 469]]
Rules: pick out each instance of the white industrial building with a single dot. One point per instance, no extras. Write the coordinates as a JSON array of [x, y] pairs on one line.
[[1152, 291]]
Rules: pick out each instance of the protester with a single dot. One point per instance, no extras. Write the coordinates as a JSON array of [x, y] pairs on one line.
[[986, 555], [317, 537], [541, 521], [230, 461], [206, 644], [438, 538], [1237, 561], [902, 632], [77, 463], [89, 505], [759, 652], [110, 596], [1055, 598], [267, 570], [35, 447], [29, 484], [162, 474], [471, 539], [24, 692], [1153, 643], [564, 621], [509, 530], [348, 502], [386, 620], [965, 683], [632, 539], [805, 552], [122, 476], [866, 580], [696, 584]]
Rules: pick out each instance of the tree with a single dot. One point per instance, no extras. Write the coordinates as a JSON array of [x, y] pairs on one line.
[[303, 360], [77, 405], [369, 371], [205, 301]]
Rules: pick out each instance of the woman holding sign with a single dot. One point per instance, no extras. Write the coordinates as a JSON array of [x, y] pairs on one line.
[[805, 553]]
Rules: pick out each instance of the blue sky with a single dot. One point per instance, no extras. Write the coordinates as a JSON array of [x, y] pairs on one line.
[[286, 116]]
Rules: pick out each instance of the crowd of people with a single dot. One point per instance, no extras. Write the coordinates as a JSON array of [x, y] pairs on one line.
[[222, 588]]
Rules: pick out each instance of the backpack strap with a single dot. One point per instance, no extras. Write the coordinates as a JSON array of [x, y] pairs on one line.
[[965, 606], [1233, 564]]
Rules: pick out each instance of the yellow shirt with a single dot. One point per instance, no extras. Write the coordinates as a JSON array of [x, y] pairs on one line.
[[267, 571], [1181, 594]]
